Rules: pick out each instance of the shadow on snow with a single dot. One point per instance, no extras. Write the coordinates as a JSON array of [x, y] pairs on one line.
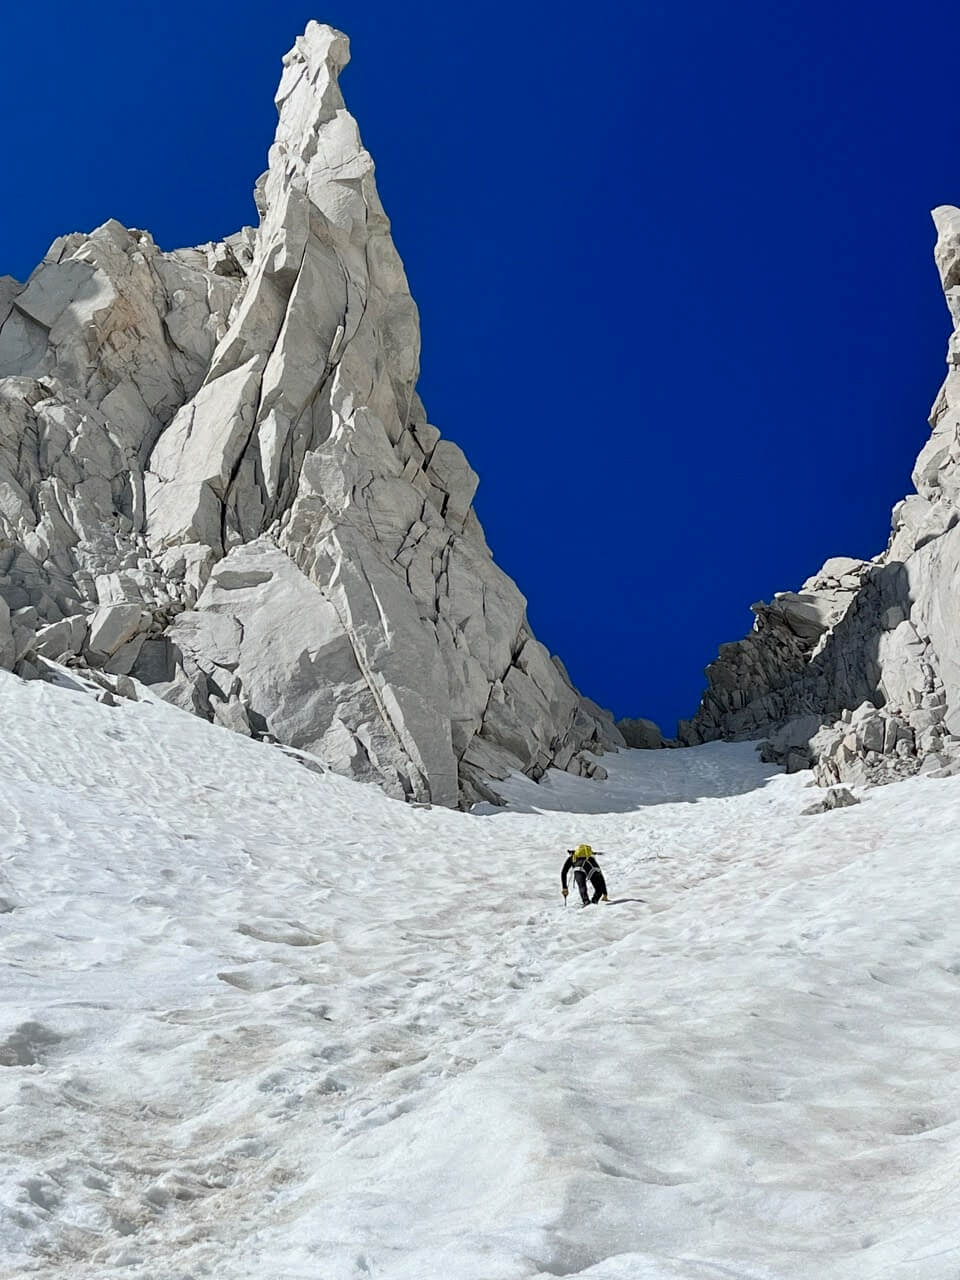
[[637, 779]]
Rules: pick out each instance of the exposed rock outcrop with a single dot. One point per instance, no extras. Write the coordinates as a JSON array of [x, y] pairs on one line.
[[869, 747], [641, 734], [774, 674], [835, 798], [216, 476], [862, 636]]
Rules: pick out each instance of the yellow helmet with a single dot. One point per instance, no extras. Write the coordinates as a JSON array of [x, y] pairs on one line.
[[583, 851]]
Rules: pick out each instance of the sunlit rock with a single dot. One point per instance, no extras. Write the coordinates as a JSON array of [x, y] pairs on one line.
[[234, 487]]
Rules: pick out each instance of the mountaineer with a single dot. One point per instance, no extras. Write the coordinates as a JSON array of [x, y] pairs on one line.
[[586, 872]]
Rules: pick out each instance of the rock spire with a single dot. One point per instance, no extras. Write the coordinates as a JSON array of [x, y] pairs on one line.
[[217, 478]]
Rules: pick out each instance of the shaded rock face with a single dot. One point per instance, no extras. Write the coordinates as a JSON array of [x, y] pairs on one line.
[[216, 477], [644, 735], [862, 636]]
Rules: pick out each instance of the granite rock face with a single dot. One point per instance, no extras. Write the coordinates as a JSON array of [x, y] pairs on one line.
[[643, 735], [858, 673], [216, 477], [871, 746]]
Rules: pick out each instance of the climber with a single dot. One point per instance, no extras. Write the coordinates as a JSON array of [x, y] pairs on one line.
[[586, 871]]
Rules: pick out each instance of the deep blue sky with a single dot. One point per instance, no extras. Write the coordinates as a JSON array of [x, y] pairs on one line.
[[673, 263]]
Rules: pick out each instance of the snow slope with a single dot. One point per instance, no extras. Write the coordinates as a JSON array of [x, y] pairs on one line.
[[260, 1023]]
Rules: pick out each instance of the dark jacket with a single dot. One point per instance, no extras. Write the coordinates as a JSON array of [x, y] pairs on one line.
[[587, 865]]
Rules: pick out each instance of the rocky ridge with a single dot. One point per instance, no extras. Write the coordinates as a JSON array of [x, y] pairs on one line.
[[858, 673], [217, 480]]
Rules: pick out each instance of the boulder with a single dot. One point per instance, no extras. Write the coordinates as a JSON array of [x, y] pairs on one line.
[[835, 798], [789, 745], [112, 625], [60, 638], [641, 734]]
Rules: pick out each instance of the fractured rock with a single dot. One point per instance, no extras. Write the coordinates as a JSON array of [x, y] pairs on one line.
[[64, 637], [112, 625], [883, 632], [235, 487], [835, 798], [642, 734], [8, 645]]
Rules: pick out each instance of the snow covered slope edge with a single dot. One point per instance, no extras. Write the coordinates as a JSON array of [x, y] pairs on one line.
[[257, 1024]]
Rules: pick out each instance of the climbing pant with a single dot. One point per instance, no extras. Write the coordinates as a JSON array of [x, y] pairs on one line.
[[585, 882]]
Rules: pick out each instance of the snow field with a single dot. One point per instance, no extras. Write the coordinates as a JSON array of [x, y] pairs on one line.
[[256, 1022]]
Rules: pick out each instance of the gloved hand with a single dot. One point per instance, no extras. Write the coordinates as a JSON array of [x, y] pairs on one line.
[[564, 892]]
